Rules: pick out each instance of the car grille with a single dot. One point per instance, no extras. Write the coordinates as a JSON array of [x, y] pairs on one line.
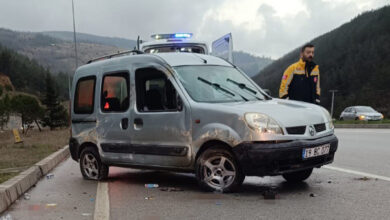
[[320, 127], [296, 130]]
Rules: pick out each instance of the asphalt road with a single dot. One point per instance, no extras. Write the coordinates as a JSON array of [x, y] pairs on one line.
[[328, 194]]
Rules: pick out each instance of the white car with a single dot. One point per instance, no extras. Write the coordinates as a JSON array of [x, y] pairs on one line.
[[362, 113]]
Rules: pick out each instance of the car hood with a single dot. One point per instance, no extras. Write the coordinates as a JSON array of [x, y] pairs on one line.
[[287, 113]]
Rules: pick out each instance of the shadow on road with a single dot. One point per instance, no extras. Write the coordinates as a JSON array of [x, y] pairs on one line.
[[253, 186]]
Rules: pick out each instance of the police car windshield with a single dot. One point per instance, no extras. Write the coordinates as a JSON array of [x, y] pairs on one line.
[[176, 48], [220, 75]]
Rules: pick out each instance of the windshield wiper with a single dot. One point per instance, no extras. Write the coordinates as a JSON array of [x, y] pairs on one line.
[[218, 87], [243, 86]]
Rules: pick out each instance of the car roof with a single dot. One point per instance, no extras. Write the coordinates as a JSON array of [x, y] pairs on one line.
[[184, 59], [172, 59]]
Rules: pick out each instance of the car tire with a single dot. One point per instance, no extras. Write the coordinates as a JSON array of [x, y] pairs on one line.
[[298, 176], [218, 170], [341, 119], [91, 166]]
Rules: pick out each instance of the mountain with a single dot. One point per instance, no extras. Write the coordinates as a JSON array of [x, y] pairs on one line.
[[353, 58], [250, 64], [54, 51], [90, 38], [56, 54]]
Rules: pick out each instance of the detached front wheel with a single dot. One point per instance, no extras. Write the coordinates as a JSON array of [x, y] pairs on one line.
[[91, 166], [218, 170]]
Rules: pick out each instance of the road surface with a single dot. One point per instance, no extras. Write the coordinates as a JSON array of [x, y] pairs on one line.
[[355, 186]]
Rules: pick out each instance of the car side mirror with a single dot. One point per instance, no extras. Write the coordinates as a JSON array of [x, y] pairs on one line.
[[267, 91]]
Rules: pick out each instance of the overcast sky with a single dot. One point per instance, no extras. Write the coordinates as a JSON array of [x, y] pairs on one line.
[[262, 27]]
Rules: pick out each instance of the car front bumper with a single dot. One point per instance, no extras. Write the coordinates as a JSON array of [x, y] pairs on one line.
[[276, 158]]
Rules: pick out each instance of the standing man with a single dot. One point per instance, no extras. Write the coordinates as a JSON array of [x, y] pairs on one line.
[[301, 80]]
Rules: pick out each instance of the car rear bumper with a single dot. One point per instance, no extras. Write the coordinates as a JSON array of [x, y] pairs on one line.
[[276, 158]]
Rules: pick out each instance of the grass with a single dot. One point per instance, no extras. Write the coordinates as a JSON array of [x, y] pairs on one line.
[[36, 146], [384, 121]]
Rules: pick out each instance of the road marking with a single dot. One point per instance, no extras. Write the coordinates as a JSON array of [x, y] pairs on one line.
[[385, 178], [102, 204]]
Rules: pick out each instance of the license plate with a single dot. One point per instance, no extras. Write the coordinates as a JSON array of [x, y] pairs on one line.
[[315, 151]]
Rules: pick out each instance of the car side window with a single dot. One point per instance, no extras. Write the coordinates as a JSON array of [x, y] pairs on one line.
[[115, 93], [155, 91], [85, 95]]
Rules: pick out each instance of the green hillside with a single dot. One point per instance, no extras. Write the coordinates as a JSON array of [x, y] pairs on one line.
[[354, 59], [27, 75]]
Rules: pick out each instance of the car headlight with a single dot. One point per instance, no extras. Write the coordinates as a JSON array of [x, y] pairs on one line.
[[328, 118], [262, 123], [362, 117]]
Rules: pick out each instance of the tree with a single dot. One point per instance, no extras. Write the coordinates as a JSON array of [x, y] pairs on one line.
[[29, 110], [55, 114], [4, 111]]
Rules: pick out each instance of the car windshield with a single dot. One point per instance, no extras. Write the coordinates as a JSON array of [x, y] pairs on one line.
[[215, 84], [364, 109]]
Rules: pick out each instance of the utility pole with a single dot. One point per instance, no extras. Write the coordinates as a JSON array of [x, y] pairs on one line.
[[331, 108], [75, 50], [74, 35]]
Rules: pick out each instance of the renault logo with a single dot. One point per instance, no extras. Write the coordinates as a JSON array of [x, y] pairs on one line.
[[312, 131]]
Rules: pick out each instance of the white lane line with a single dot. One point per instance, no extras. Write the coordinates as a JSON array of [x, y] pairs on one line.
[[102, 202], [358, 173]]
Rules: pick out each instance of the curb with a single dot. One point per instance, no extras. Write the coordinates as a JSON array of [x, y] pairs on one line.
[[11, 189], [362, 126]]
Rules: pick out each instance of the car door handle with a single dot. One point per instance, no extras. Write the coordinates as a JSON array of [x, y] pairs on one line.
[[124, 123], [138, 123]]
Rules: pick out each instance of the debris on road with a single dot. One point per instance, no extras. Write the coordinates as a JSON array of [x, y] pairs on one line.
[[86, 214], [270, 194], [27, 196], [7, 217], [329, 181], [363, 178], [51, 205], [171, 189], [151, 185], [313, 195], [91, 199], [149, 198], [49, 176]]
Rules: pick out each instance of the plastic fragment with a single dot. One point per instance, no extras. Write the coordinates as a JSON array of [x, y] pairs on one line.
[[27, 196], [151, 185]]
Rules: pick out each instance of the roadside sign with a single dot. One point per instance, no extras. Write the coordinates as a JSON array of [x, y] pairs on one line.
[[17, 137]]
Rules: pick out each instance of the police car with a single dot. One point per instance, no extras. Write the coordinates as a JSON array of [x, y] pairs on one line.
[[184, 42]]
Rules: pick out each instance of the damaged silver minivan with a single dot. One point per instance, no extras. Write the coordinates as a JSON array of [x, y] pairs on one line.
[[195, 113]]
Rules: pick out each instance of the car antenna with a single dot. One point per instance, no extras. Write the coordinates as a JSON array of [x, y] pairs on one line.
[[204, 60]]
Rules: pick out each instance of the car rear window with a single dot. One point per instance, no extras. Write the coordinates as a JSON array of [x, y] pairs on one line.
[[84, 96]]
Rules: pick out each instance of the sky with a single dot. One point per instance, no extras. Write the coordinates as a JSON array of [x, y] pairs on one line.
[[268, 28]]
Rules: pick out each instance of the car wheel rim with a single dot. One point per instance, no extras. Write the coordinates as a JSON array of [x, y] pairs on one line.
[[90, 166], [219, 172]]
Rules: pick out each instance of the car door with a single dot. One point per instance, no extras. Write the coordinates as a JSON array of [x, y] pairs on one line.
[[160, 120], [114, 114], [223, 47]]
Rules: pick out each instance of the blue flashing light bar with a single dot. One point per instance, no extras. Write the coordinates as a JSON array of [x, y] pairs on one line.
[[183, 35], [172, 36]]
